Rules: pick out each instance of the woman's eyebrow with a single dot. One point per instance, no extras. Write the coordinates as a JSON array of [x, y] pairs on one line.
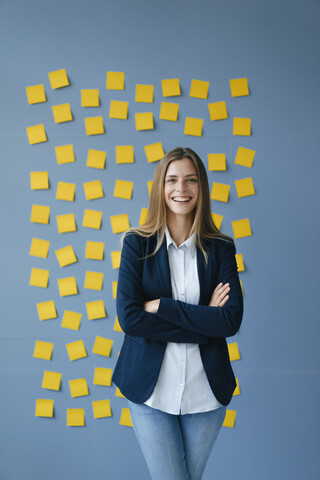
[[189, 175]]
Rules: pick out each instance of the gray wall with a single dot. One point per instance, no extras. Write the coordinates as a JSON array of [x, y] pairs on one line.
[[275, 45]]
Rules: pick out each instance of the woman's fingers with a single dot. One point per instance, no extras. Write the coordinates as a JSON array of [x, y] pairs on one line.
[[226, 298], [220, 295]]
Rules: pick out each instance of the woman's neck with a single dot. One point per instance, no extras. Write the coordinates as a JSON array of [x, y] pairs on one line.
[[179, 227]]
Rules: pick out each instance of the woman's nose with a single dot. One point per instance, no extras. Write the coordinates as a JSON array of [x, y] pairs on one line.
[[180, 185]]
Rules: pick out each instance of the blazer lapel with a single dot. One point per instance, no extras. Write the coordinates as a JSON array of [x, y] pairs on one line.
[[163, 269], [205, 274]]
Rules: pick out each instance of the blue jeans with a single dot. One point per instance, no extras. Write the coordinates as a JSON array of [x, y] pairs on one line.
[[176, 447]]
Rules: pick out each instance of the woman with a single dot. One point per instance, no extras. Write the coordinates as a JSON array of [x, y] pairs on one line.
[[178, 298]]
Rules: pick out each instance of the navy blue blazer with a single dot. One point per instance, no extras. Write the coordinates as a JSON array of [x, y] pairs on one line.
[[146, 334]]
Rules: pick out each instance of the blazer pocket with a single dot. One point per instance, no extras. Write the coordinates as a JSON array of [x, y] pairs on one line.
[[136, 340]]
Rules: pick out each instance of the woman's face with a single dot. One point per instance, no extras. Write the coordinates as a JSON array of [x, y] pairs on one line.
[[181, 187]]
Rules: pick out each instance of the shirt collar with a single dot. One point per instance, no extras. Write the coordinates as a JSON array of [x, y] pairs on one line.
[[190, 243]]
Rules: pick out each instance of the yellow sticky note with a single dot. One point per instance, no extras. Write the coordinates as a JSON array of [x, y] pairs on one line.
[[217, 219], [66, 223], [233, 350], [217, 162], [96, 159], [170, 87], [193, 126], [78, 387], [40, 214], [118, 110], [236, 390], [220, 192], [241, 228], [95, 310], [115, 80], [125, 418], [44, 407], [144, 121], [46, 310], [93, 190], [119, 394], [169, 111], [94, 125], [36, 134], [150, 184], [154, 152], [115, 258], [114, 289], [229, 418], [143, 215], [218, 110], [239, 87], [93, 280], [75, 417], [124, 154], [92, 219], [43, 350], [120, 223], [71, 320], [58, 78], [66, 256], [39, 180], [102, 376], [245, 157], [199, 89], [76, 350], [51, 380], [94, 250], [65, 154], [39, 248], [144, 93], [240, 263], [66, 191], [244, 187], [101, 408], [90, 97], [123, 189], [116, 326], [39, 277], [67, 286], [241, 288], [62, 113], [102, 346], [36, 94], [242, 126]]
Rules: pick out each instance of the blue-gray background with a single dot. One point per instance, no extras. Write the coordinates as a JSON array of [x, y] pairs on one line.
[[275, 44]]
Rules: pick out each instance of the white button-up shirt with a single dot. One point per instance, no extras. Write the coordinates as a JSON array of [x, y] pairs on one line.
[[182, 386]]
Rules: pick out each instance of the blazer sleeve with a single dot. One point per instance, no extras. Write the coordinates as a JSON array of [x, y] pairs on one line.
[[205, 320], [134, 320]]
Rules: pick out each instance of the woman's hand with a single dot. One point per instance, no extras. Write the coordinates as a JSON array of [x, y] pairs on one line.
[[151, 306], [220, 295]]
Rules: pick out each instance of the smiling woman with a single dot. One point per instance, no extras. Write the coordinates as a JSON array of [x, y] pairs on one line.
[[178, 299]]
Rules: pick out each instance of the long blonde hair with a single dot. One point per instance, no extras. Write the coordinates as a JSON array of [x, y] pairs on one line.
[[156, 221]]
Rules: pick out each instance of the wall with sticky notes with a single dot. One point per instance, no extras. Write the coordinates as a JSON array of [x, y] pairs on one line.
[[92, 95]]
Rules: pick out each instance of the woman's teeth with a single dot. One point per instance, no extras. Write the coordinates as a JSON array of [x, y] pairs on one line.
[[181, 199]]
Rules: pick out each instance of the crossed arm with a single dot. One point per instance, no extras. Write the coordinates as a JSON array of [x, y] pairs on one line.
[[171, 320], [218, 299]]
